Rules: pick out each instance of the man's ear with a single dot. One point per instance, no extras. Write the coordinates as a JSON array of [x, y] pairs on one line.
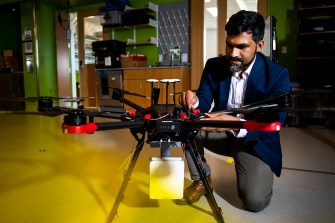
[[260, 45]]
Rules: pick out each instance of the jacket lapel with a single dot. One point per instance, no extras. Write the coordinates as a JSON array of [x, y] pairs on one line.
[[253, 81]]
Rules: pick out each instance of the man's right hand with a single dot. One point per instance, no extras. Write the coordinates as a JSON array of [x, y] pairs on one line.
[[187, 99]]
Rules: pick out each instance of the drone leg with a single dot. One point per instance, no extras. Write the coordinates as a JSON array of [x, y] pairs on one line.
[[152, 94], [174, 93], [167, 96], [217, 211], [126, 179]]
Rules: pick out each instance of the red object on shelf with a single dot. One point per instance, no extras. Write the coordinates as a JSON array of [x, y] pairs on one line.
[[133, 60]]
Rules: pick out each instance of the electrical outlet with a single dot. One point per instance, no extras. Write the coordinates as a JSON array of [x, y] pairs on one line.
[[68, 34], [284, 49]]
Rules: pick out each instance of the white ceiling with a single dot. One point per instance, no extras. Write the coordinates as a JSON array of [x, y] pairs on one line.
[[210, 21]]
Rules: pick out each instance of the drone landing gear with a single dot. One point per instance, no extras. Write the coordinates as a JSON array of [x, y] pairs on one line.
[[139, 146], [217, 211], [190, 145]]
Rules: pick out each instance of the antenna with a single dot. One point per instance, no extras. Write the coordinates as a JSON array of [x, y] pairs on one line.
[[154, 91]]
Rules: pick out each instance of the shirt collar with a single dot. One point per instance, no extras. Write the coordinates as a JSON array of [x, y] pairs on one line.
[[248, 70]]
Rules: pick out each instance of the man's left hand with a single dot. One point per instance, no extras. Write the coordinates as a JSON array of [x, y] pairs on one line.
[[218, 117]]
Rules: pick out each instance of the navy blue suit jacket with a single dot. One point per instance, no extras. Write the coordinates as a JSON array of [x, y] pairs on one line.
[[266, 80]]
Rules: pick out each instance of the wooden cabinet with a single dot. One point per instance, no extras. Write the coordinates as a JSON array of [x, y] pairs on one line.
[[135, 81], [11, 87]]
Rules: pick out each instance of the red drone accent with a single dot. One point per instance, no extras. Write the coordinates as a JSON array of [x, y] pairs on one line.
[[196, 111], [251, 126], [88, 128], [147, 116], [132, 112]]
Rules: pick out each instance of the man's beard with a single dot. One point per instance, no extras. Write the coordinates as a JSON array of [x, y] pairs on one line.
[[236, 67]]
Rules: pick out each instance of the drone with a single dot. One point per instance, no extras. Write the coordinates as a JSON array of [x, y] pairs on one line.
[[160, 125]]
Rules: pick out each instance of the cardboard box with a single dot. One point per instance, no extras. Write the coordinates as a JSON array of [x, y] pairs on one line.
[[8, 53], [133, 60], [11, 64]]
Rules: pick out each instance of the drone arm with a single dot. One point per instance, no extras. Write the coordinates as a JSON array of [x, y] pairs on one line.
[[91, 127], [119, 125], [131, 104], [248, 125], [118, 95]]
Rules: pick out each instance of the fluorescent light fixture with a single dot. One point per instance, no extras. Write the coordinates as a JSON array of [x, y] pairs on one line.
[[213, 11], [241, 4], [207, 1]]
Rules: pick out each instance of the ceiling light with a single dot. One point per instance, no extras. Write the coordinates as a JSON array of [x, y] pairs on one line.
[[206, 1], [213, 11], [241, 4]]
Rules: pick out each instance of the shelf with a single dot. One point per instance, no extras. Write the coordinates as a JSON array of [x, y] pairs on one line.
[[151, 8], [316, 33], [89, 38], [316, 58], [152, 24], [151, 41], [316, 36], [317, 7]]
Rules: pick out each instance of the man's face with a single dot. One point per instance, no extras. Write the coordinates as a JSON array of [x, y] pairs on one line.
[[241, 50]]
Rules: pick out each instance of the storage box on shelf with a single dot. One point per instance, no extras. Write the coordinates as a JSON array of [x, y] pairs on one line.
[[131, 19], [133, 60], [107, 53]]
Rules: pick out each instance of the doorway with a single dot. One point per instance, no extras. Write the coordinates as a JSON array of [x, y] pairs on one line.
[[86, 29]]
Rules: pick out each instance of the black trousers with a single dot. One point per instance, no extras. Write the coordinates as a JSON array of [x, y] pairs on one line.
[[254, 176]]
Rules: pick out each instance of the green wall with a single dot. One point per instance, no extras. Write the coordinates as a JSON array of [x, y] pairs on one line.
[[47, 49], [287, 23], [46, 69], [27, 21]]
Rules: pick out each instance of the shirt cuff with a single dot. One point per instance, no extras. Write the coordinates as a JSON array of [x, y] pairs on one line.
[[239, 133], [196, 104]]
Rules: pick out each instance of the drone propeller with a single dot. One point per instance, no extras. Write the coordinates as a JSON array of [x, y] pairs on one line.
[[45, 105], [37, 98], [48, 114], [30, 99]]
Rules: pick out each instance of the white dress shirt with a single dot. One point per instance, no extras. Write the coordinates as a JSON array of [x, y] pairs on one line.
[[237, 90]]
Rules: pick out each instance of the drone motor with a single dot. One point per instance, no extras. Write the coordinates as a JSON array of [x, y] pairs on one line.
[[45, 104], [76, 118], [75, 122]]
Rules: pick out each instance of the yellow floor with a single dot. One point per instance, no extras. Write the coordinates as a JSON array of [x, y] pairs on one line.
[[47, 176], [50, 177]]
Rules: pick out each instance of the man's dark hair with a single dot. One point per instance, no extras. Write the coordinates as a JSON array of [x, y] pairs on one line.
[[246, 21]]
